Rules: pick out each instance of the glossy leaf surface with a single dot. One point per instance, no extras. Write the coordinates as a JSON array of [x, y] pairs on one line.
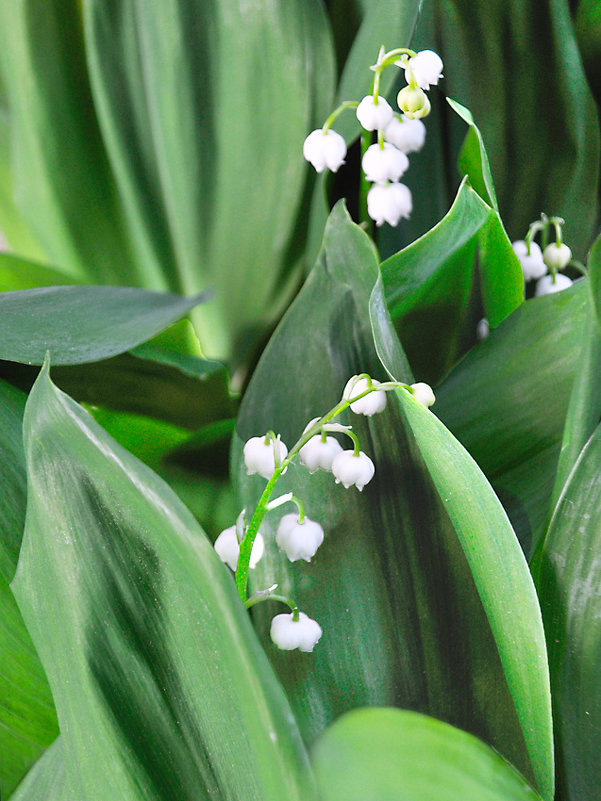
[[161, 687], [78, 324], [406, 613], [395, 755]]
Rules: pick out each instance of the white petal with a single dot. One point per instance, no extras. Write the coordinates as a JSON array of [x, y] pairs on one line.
[[374, 116], [556, 258], [546, 285]]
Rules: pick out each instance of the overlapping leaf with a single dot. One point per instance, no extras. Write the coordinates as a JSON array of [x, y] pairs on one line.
[[409, 613], [204, 107], [394, 755], [161, 687], [27, 717]]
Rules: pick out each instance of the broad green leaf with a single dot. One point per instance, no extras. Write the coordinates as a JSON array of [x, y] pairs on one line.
[[409, 618], [501, 576], [497, 403], [27, 717], [161, 687], [46, 780], [204, 107], [568, 585], [78, 324], [385, 22], [60, 174], [540, 160], [395, 755], [429, 284]]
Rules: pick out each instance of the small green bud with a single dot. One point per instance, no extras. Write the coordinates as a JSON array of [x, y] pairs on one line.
[[413, 102]]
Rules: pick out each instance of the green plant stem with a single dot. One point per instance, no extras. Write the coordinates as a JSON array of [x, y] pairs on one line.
[[364, 185]]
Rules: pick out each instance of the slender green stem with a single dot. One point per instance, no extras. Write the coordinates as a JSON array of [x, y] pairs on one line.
[[364, 185], [337, 112]]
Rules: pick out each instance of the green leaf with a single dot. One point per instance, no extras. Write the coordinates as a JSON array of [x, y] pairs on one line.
[[161, 687], [395, 755], [385, 22], [17, 273], [27, 717], [61, 178], [473, 158], [204, 107], [568, 585], [409, 618], [496, 402], [46, 781], [501, 576], [429, 284], [544, 156], [83, 324]]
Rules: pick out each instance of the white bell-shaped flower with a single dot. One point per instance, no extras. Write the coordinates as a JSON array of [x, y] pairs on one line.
[[350, 470], [425, 67], [546, 285], [557, 257], [325, 149], [407, 135], [370, 404], [260, 456], [228, 548], [385, 163], [288, 633], [374, 116], [389, 203], [318, 452], [482, 329], [298, 540], [533, 265], [413, 102], [423, 393]]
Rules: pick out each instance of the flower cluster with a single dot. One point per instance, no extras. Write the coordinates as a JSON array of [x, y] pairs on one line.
[[241, 546], [385, 161], [543, 264]]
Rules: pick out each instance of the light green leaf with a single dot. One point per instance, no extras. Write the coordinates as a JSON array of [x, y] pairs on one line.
[[395, 755], [46, 780], [473, 158], [496, 402], [60, 174], [407, 615], [204, 107], [27, 717], [161, 687], [17, 273], [568, 585], [83, 324]]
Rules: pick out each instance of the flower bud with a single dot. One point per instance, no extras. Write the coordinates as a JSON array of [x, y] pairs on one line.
[[482, 329], [298, 540], [389, 203], [547, 286], [260, 456], [384, 163], [413, 102], [353, 470], [557, 257], [407, 135], [288, 633], [374, 116], [228, 548], [532, 263], [425, 68], [371, 404], [423, 393], [325, 149]]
